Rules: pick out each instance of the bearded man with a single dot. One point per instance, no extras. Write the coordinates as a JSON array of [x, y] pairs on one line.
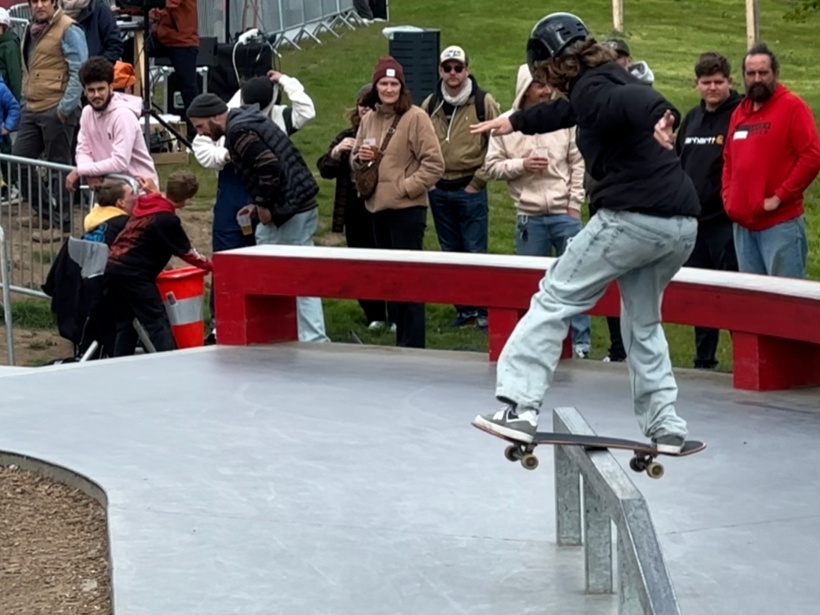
[[53, 49], [771, 156], [110, 139]]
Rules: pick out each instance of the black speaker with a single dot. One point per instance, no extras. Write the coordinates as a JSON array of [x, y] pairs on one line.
[[175, 105], [417, 52], [252, 60]]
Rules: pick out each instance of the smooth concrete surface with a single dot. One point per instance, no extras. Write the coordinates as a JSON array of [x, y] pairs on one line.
[[301, 479]]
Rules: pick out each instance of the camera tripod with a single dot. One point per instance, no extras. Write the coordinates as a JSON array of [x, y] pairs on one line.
[[148, 106]]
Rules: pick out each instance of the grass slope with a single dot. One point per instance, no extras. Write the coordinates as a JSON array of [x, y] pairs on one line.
[[668, 34]]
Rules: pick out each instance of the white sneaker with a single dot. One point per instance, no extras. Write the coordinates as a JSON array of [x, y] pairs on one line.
[[376, 324], [516, 423]]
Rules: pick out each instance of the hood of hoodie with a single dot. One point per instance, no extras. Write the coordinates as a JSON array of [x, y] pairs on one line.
[[100, 214], [597, 81], [150, 204], [123, 101], [746, 107], [522, 82]]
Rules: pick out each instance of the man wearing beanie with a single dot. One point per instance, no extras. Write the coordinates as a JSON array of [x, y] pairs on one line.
[[282, 191], [459, 202], [264, 91]]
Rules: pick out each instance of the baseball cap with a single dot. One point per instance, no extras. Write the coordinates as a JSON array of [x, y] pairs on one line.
[[619, 45], [455, 53], [5, 18]]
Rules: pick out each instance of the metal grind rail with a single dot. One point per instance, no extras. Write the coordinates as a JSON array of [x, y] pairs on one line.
[[593, 493]]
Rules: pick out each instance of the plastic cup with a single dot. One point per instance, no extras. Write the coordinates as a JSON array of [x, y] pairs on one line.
[[245, 223]]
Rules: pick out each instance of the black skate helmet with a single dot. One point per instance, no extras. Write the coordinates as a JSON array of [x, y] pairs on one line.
[[552, 35]]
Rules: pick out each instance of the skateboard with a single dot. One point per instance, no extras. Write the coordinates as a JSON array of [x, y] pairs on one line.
[[643, 453]]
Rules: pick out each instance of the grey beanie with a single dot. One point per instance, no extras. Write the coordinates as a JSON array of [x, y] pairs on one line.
[[363, 90], [207, 105]]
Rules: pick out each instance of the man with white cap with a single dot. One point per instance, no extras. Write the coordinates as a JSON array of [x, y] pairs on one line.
[[459, 201]]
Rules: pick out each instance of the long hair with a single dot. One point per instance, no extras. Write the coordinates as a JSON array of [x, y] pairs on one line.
[[352, 115], [400, 107], [559, 72]]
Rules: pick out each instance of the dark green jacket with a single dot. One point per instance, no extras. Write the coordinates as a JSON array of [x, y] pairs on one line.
[[11, 62]]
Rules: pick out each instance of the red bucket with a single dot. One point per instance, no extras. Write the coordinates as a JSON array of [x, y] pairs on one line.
[[183, 295]]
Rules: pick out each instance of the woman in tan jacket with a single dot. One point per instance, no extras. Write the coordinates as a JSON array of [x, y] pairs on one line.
[[410, 166]]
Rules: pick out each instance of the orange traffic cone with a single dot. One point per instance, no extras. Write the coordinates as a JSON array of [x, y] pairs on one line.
[[183, 294]]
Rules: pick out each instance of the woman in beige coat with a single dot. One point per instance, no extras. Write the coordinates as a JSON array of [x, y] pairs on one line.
[[409, 168]]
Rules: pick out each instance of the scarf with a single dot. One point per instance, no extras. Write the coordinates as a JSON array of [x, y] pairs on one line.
[[73, 8], [462, 97]]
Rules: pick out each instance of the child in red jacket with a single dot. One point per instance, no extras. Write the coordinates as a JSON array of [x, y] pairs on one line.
[[152, 235]]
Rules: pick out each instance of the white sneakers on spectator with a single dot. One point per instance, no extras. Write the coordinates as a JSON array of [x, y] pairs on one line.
[[381, 324]]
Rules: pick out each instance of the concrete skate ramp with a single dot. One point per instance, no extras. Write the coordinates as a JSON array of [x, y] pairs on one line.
[[343, 479]]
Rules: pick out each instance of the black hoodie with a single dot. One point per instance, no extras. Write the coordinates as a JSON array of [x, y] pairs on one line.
[[615, 115], [700, 146]]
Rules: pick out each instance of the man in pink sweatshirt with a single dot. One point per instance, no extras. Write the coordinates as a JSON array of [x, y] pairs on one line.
[[110, 139]]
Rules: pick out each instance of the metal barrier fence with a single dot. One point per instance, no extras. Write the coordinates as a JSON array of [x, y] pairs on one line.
[[585, 511], [31, 236], [292, 20]]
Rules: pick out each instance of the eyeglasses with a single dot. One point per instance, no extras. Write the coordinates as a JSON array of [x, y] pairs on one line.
[[449, 68]]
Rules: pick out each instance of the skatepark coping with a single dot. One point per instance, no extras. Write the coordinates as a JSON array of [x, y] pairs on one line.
[[609, 496]]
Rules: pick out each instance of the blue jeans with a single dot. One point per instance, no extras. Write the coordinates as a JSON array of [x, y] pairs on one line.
[[642, 253], [549, 236], [231, 196], [461, 225], [780, 250], [298, 231]]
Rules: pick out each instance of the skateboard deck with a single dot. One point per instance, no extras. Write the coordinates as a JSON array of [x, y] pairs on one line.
[[643, 453]]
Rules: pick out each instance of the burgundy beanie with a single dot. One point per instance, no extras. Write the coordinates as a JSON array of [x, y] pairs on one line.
[[388, 66]]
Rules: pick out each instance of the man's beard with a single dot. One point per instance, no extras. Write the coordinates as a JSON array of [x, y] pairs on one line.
[[215, 130], [760, 92], [105, 104]]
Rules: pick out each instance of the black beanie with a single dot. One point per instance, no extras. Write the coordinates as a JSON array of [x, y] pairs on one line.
[[257, 91], [207, 105]]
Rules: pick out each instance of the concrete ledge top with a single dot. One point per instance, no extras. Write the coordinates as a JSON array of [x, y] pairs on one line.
[[740, 281]]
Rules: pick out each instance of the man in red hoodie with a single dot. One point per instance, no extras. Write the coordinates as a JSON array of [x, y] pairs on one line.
[[771, 156], [152, 235]]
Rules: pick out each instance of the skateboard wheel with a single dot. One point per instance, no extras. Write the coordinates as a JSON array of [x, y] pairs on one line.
[[636, 465], [530, 462], [511, 453], [654, 470]]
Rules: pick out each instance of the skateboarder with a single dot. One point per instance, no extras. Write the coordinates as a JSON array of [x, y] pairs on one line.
[[643, 232]]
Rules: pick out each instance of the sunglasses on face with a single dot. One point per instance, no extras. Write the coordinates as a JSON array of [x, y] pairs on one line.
[[449, 68]]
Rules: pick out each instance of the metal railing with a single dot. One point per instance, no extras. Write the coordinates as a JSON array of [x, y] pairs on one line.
[[609, 497], [290, 19], [31, 237]]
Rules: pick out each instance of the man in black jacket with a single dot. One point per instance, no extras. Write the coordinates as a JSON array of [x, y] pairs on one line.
[[278, 181], [700, 145], [644, 231]]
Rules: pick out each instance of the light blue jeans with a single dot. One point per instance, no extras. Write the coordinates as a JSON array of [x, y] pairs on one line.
[[549, 236], [780, 250], [298, 231], [642, 253]]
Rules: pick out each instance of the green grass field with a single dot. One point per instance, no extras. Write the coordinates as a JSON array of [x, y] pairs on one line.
[[668, 34]]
